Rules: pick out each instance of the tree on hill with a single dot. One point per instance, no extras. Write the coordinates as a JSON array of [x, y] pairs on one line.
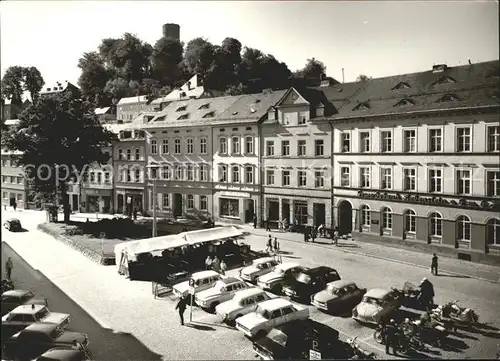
[[59, 136], [18, 79]]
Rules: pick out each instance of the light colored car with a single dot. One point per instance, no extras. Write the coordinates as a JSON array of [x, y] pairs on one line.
[[241, 304], [269, 314], [202, 281], [338, 295], [259, 267], [23, 316], [280, 276], [13, 298], [377, 305], [62, 354], [222, 291]]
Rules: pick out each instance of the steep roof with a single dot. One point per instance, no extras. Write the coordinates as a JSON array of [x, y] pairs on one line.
[[58, 87], [133, 100]]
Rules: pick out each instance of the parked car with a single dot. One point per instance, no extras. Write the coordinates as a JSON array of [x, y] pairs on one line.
[[259, 267], [281, 276], [37, 338], [23, 316], [377, 305], [222, 291], [310, 282], [62, 354], [14, 298], [202, 281], [338, 296], [269, 314], [293, 340], [241, 304], [12, 225]]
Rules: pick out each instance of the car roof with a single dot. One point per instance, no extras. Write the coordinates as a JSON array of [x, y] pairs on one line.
[[248, 292], [12, 220], [15, 293], [340, 283], [287, 265], [263, 260], [44, 327], [318, 270], [203, 274], [377, 293], [27, 309], [230, 280], [275, 303], [304, 326]]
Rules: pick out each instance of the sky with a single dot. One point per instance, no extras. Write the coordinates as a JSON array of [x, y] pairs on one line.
[[363, 37]]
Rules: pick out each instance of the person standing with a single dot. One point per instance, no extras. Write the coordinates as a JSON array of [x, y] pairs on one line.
[[276, 244], [390, 338], [181, 306], [285, 225], [216, 264], [254, 221], [336, 236], [8, 267], [223, 267], [14, 205], [269, 244], [434, 265], [208, 262], [268, 226]]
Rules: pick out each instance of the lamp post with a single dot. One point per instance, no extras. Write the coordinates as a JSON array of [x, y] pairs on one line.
[[154, 176]]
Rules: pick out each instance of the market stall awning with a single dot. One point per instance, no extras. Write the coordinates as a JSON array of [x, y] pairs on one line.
[[211, 234], [159, 244]]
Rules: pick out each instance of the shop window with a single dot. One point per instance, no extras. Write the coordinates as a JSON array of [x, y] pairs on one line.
[[229, 207], [436, 224], [365, 215], [493, 229]]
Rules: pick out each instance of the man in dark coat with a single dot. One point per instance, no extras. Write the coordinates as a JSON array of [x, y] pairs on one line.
[[427, 293], [434, 265], [181, 306], [254, 221], [268, 225], [391, 338]]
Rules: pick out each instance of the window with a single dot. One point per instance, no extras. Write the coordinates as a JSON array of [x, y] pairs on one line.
[[137, 175], [345, 139], [435, 180], [203, 173], [365, 215], [301, 148], [107, 177], [137, 154], [410, 179], [435, 140], [165, 172], [302, 118], [235, 145], [386, 181], [345, 176], [129, 154], [120, 154], [19, 180], [164, 146], [178, 173], [203, 146], [386, 218], [302, 178], [286, 119], [493, 183], [463, 182], [364, 141], [494, 139], [463, 140], [190, 201], [165, 200], [222, 145], [386, 137], [92, 177], [229, 207], [285, 178], [203, 203], [364, 179], [436, 224], [410, 141], [270, 177], [410, 221], [235, 174], [319, 179], [285, 147], [177, 146], [4, 179], [190, 146], [248, 145], [223, 173], [270, 147], [190, 173], [99, 177], [249, 174], [463, 228], [319, 146], [154, 146], [493, 232], [129, 175], [5, 196]]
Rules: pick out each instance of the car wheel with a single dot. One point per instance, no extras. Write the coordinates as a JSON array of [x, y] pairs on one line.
[[377, 336]]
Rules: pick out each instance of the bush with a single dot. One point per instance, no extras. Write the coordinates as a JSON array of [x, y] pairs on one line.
[[113, 228]]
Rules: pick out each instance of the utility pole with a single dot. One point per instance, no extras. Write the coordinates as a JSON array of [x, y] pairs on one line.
[[154, 205]]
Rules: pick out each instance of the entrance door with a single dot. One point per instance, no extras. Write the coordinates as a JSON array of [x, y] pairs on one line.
[[285, 211], [249, 210], [319, 214], [345, 217], [177, 205], [300, 212], [273, 210], [120, 202], [75, 202]]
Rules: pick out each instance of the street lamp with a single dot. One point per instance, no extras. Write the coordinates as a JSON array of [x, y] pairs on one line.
[[154, 176]]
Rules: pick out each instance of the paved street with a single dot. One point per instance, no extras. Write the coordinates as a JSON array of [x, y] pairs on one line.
[[155, 321]]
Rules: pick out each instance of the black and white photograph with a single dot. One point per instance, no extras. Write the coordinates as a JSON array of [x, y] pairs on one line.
[[250, 180]]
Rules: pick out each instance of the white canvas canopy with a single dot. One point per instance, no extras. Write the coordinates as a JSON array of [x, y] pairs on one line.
[[211, 234]]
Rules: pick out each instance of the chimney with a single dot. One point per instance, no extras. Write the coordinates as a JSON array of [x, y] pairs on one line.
[[470, 62], [439, 68], [342, 75]]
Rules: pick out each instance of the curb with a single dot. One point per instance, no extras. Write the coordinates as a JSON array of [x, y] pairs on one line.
[[384, 259]]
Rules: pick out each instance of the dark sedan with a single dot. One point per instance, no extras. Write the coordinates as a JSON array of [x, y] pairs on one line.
[[12, 225], [309, 282]]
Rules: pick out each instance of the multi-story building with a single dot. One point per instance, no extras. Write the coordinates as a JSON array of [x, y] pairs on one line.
[[13, 181], [416, 157], [61, 87]]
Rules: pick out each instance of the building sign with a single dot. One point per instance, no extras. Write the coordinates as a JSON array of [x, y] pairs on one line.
[[314, 355], [374, 221], [493, 205], [129, 200], [235, 194]]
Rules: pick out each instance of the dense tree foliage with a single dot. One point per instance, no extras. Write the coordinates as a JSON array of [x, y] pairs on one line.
[[18, 79]]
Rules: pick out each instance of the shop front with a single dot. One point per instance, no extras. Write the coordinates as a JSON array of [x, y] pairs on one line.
[[129, 200], [299, 210], [97, 200], [236, 207]]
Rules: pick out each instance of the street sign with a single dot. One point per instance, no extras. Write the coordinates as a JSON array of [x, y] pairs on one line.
[[191, 287], [314, 355], [191, 290]]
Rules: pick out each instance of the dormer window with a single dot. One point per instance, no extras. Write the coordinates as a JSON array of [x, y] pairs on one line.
[[209, 115], [404, 102], [362, 106], [204, 106], [271, 115], [183, 116], [234, 113], [320, 111], [448, 98], [159, 119], [439, 68], [445, 80], [126, 134], [401, 85], [181, 109]]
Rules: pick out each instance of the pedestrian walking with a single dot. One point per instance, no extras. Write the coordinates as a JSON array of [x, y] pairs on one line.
[[14, 205], [181, 306], [313, 234], [216, 264], [208, 262], [276, 244], [8, 267], [268, 226], [434, 265], [254, 221], [269, 246], [285, 224], [223, 267], [336, 236], [280, 225]]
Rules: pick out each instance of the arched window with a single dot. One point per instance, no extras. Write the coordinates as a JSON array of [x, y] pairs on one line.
[[235, 145], [493, 229], [365, 215], [436, 224], [386, 218], [222, 145], [410, 221], [235, 174], [463, 228]]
